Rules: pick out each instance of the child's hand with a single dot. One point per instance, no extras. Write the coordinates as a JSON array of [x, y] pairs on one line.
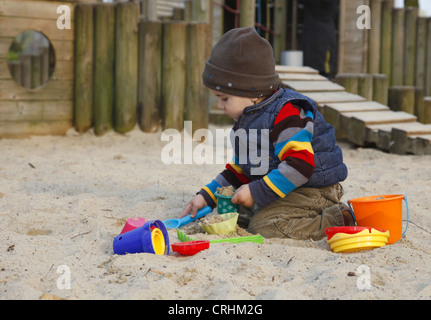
[[243, 196], [194, 205]]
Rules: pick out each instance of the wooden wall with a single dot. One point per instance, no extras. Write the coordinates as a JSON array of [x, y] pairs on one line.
[[47, 109]]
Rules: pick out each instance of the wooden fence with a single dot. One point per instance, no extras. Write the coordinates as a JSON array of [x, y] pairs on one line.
[[395, 59], [130, 71]]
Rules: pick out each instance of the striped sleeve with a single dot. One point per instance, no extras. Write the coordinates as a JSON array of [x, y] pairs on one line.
[[232, 175], [291, 136]]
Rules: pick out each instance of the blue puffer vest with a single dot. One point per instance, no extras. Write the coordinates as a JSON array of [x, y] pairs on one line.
[[328, 157]]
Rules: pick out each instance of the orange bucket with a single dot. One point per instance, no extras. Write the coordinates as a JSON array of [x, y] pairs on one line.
[[381, 212]]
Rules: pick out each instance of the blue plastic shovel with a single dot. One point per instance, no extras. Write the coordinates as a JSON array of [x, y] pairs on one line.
[[178, 223]]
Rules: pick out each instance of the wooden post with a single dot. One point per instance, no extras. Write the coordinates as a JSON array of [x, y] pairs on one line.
[[247, 13], [402, 98], [428, 64], [126, 66], [365, 86], [150, 75], [15, 70], [380, 88], [104, 48], [44, 77], [197, 95], [279, 43], [374, 42], [25, 60], [419, 103], [173, 74], [398, 37], [348, 80], [202, 11], [427, 110], [83, 110], [386, 39], [421, 52], [36, 71], [410, 46]]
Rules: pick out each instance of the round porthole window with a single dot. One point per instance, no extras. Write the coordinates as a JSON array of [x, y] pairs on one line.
[[31, 59]]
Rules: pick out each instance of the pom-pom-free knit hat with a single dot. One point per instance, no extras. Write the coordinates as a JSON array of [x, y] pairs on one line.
[[241, 64]]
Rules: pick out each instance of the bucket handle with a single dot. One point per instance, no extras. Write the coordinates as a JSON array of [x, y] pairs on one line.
[[407, 212]]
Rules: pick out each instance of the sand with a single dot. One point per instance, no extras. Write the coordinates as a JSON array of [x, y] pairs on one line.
[[64, 199]]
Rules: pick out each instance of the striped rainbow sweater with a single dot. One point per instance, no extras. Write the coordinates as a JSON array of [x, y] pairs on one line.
[[291, 136]]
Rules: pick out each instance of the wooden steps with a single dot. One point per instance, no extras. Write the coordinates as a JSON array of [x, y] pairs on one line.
[[362, 122]]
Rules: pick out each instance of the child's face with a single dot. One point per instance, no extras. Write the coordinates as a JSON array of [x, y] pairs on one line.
[[233, 106]]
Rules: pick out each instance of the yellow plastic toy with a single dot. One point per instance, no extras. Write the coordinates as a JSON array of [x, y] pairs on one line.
[[352, 239], [224, 227], [158, 241]]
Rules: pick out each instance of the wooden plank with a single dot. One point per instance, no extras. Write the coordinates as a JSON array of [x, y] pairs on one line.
[[385, 139], [421, 144], [34, 9], [332, 113], [376, 117], [313, 86], [326, 97], [294, 69], [11, 27], [301, 77], [36, 110], [63, 49], [22, 129], [64, 70], [53, 90], [400, 142], [358, 121]]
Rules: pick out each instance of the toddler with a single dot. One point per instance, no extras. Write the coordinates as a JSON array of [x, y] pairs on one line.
[[288, 185]]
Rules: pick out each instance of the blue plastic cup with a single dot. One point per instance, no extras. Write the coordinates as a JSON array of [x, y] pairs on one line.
[[143, 239]]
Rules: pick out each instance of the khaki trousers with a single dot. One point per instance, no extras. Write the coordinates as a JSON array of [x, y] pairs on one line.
[[304, 213]]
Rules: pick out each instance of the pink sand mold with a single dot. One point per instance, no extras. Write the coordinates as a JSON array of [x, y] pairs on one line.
[[133, 223]]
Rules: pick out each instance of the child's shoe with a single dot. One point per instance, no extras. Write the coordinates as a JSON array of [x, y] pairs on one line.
[[349, 218]]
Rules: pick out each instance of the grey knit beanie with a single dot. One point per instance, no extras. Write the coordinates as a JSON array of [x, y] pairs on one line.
[[241, 64]]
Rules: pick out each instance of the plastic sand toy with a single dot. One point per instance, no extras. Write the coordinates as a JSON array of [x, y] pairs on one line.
[[190, 248], [224, 204], [133, 223], [352, 239], [225, 227], [152, 237], [178, 223], [381, 212]]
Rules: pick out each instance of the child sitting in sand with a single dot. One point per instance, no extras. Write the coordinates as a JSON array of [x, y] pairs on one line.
[[296, 194]]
